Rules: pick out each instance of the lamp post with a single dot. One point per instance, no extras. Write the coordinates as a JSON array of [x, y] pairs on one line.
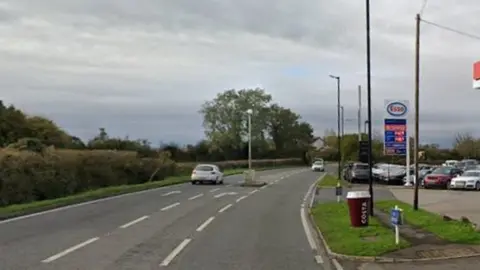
[[249, 113], [339, 141]]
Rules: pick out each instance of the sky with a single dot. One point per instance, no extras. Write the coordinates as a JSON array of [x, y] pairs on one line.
[[143, 68]]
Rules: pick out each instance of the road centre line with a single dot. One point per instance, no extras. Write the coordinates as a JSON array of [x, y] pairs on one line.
[[195, 197], [225, 208], [253, 191], [126, 225], [241, 198], [69, 250], [169, 206], [171, 193], [175, 252], [205, 224], [215, 189]]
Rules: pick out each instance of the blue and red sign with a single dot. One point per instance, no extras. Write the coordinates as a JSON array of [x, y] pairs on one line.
[[395, 140]]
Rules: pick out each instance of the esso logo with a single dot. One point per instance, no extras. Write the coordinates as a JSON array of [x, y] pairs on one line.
[[396, 109]]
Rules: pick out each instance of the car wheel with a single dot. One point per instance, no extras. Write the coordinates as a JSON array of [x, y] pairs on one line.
[[194, 183], [477, 186]]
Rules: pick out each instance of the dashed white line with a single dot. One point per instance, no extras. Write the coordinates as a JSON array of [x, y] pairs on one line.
[[318, 259], [264, 187], [126, 225], [225, 208], [228, 185], [253, 191], [241, 198], [175, 252], [205, 224], [169, 206], [69, 250], [171, 193], [215, 189], [220, 195], [195, 197]]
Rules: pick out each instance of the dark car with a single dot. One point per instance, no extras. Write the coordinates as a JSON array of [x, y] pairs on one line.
[[441, 177]]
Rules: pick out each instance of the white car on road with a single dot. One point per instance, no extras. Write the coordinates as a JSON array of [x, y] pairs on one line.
[[468, 180], [207, 173], [318, 166]]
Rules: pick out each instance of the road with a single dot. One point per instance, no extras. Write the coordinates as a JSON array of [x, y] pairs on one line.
[[178, 227]]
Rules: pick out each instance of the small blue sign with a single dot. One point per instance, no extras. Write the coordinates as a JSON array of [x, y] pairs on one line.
[[338, 191], [396, 217], [395, 137]]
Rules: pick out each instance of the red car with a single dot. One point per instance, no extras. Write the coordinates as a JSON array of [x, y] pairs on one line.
[[441, 177]]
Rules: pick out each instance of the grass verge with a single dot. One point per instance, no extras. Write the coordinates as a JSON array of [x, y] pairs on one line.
[[16, 210], [331, 181], [333, 221], [453, 231]]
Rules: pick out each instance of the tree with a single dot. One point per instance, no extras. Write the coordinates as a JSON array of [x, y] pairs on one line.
[[466, 145], [225, 119]]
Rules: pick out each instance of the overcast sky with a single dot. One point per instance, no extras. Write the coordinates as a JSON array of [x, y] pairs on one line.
[[143, 68]]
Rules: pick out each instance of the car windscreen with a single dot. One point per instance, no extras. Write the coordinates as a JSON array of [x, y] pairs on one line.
[[471, 173], [361, 167], [442, 170], [204, 168], [318, 163]]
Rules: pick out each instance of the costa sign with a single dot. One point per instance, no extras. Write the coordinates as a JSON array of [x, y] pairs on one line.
[[397, 109]]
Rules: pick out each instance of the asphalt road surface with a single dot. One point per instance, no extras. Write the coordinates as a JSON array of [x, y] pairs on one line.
[[179, 227]]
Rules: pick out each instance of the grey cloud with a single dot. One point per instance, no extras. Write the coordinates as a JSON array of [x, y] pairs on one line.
[[144, 67]]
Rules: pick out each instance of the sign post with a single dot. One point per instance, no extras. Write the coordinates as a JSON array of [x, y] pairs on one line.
[[395, 128], [338, 191], [396, 217]]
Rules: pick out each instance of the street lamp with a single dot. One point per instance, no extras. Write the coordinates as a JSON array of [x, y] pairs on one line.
[[339, 141], [249, 113]]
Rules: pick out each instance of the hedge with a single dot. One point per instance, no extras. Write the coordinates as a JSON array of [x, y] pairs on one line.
[[28, 176]]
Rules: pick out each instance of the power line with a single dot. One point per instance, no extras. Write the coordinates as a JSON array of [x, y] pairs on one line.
[[423, 7], [465, 34]]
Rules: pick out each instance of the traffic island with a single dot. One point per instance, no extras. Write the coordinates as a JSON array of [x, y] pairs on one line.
[[330, 181], [334, 227], [250, 181]]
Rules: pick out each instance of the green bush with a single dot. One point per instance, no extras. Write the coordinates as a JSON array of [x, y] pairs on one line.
[[27, 176]]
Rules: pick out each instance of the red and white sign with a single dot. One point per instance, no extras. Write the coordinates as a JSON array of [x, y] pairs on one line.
[[476, 75]]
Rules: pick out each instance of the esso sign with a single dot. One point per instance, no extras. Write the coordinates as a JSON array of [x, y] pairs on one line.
[[396, 109]]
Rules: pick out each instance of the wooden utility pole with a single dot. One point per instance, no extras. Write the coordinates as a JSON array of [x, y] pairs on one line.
[[417, 105]]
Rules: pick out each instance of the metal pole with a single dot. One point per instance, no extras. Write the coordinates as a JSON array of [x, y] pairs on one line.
[[339, 140], [359, 115], [417, 105], [369, 105], [343, 122], [249, 141]]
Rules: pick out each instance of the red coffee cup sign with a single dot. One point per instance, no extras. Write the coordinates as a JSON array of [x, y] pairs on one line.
[[358, 205]]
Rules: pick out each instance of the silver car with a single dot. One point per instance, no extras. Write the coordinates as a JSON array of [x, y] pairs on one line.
[[207, 173], [468, 180]]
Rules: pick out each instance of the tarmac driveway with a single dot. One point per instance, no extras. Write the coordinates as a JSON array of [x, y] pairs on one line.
[[453, 203]]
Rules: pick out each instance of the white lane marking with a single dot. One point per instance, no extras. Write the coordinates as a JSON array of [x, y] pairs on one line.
[[175, 252], [310, 239], [318, 259], [195, 197], [82, 204], [205, 224], [169, 206], [264, 187], [253, 191], [220, 195], [241, 198], [171, 193], [126, 225], [225, 208], [69, 250], [215, 189], [337, 265], [228, 185]]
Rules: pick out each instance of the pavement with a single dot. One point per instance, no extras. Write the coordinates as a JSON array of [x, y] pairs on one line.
[[178, 227]]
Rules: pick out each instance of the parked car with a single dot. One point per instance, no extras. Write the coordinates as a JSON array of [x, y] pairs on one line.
[[359, 172], [466, 163], [421, 175], [393, 174], [450, 163], [318, 166], [377, 170], [441, 177], [207, 173], [346, 170], [468, 180]]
